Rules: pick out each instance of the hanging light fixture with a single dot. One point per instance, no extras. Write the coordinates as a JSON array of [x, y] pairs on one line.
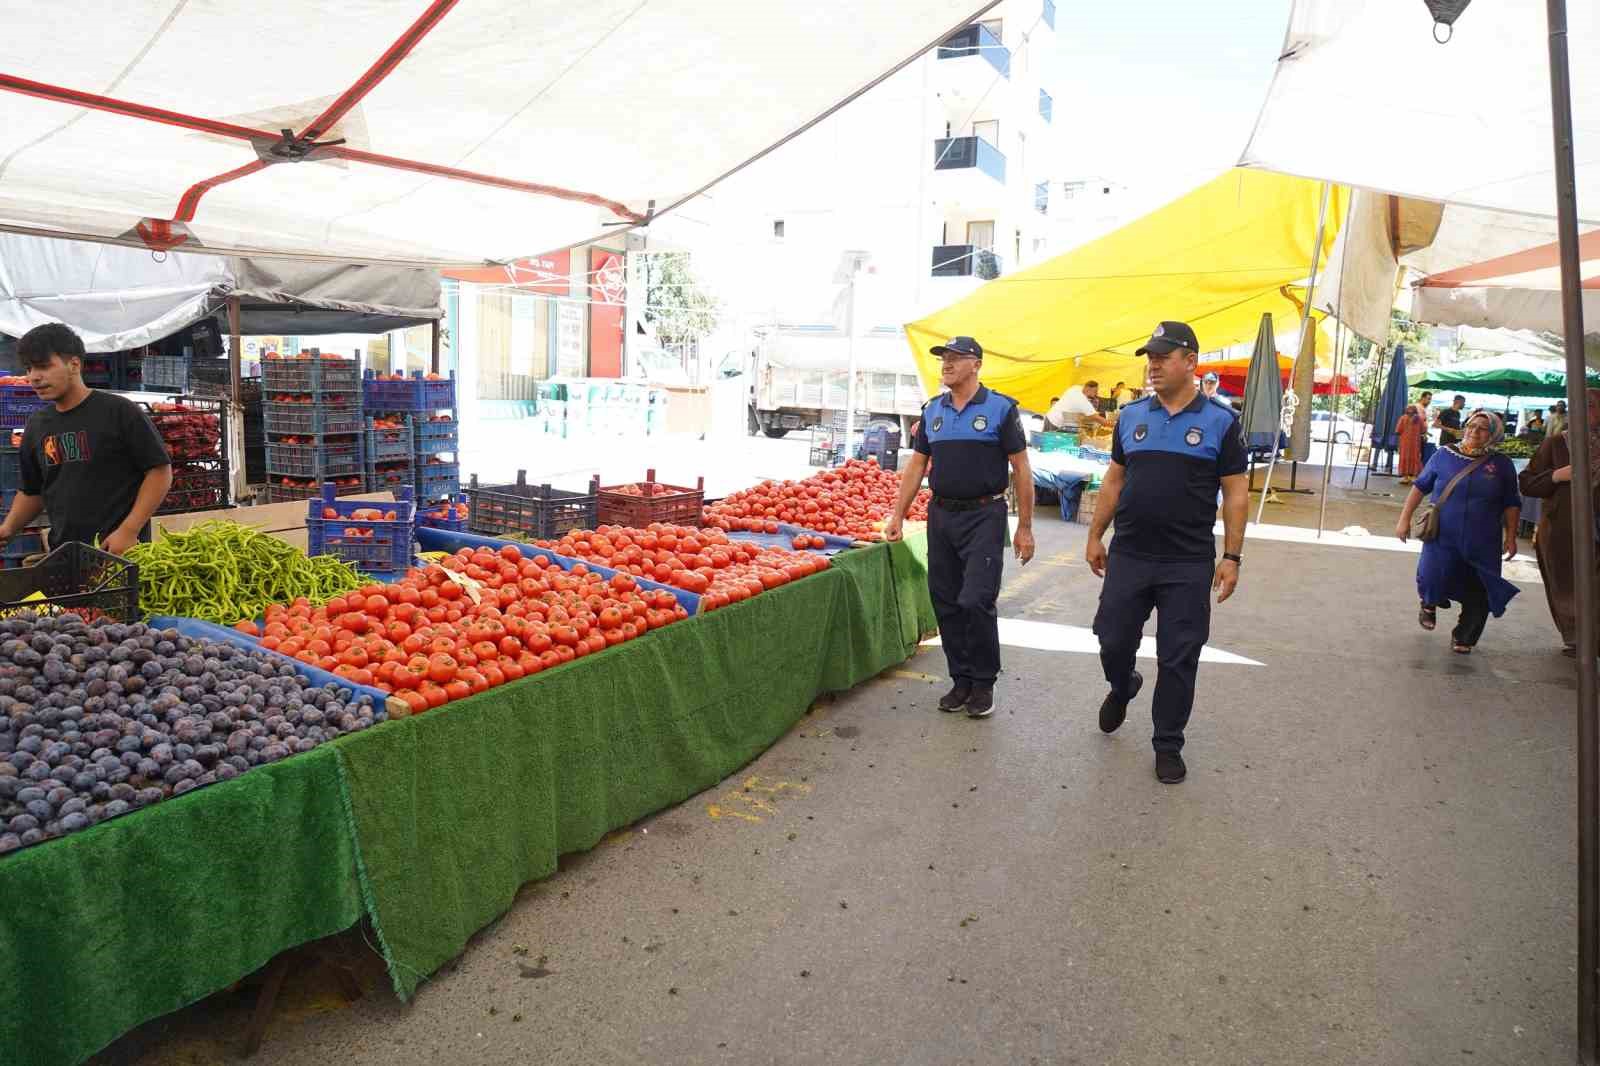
[[1445, 13]]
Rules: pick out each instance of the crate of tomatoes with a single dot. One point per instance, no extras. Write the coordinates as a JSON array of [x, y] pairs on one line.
[[641, 503], [311, 371], [852, 500], [376, 538], [452, 514], [532, 511]]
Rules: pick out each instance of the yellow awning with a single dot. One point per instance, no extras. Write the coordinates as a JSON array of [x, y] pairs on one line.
[[1216, 258]]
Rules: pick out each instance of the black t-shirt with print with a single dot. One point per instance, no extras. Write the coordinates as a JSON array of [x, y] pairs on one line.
[[88, 464], [1449, 426]]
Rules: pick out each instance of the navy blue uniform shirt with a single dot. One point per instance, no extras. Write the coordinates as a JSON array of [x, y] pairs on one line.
[[969, 447], [1175, 465]]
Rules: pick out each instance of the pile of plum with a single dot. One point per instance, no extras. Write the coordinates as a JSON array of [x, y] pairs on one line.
[[101, 718]]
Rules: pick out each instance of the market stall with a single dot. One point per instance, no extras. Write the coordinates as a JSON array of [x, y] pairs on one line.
[[421, 805]]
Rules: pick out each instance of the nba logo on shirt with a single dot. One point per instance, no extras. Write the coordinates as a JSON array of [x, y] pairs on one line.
[[66, 448]]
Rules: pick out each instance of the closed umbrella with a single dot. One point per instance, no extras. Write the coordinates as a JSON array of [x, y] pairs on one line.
[[1263, 403], [1392, 404]]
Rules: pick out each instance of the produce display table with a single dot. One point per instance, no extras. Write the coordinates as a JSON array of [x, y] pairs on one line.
[[427, 825]]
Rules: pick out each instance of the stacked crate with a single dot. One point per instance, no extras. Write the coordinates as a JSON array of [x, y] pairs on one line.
[[389, 458], [430, 406], [314, 425], [195, 432], [29, 542]]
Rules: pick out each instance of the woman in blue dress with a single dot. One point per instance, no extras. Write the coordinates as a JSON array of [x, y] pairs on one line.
[[1477, 523]]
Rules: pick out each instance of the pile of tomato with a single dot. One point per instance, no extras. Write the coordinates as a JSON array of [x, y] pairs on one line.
[[852, 500], [702, 561], [474, 621]]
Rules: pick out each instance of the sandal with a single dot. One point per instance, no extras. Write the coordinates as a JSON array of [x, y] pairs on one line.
[[1427, 618], [1461, 649]]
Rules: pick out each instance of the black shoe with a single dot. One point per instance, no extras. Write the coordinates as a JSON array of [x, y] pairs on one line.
[[957, 697], [1113, 710], [981, 703], [1169, 767]]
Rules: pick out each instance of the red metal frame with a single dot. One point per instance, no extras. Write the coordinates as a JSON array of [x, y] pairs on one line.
[[158, 232]]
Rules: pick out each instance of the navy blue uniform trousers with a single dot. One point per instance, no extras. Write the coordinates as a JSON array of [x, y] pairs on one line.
[[966, 552], [1180, 594]]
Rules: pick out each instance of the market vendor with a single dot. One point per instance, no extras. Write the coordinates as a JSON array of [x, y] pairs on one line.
[[1078, 407], [975, 434], [92, 461]]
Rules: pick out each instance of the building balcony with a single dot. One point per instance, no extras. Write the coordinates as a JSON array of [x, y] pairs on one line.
[[977, 43], [965, 261], [969, 153]]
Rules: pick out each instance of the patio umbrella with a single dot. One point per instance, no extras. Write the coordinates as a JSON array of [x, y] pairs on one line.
[[1263, 392], [1392, 404]]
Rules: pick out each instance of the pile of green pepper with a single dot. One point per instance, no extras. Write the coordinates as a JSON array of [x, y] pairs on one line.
[[224, 572]]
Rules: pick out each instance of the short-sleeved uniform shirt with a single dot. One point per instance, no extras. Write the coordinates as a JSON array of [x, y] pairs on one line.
[[970, 446], [88, 464], [1174, 464]]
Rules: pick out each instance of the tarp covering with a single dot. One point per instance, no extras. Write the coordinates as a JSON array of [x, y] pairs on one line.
[[1232, 373], [1363, 96], [437, 132], [119, 298], [1500, 375], [1218, 258], [1518, 290]]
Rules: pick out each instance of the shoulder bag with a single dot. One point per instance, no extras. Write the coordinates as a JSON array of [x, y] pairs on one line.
[[1425, 519]]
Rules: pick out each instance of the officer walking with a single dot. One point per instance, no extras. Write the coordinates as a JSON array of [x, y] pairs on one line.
[[1171, 453], [972, 433]]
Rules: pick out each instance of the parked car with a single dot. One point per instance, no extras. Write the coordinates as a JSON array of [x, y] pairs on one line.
[[1345, 431]]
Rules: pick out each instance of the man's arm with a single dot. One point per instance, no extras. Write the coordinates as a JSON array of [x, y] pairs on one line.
[[910, 484], [1022, 482], [1235, 512], [24, 509], [157, 482], [1104, 509]]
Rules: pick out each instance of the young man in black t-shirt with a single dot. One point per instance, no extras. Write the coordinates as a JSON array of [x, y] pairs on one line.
[[92, 461], [1449, 422]]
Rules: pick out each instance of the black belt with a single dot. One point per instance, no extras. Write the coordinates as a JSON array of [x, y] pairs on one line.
[[967, 505]]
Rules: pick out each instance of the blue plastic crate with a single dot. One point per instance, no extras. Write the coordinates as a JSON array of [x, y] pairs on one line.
[[17, 402], [10, 469], [388, 443], [435, 438], [327, 459], [372, 545], [309, 418], [411, 394], [442, 515], [311, 374], [391, 476], [28, 542], [435, 481]]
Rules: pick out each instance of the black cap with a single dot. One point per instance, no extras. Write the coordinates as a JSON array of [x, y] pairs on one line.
[[1170, 335], [958, 346]]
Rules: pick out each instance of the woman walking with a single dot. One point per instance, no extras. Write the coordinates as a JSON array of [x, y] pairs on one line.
[[1410, 429], [1549, 477], [1473, 489]]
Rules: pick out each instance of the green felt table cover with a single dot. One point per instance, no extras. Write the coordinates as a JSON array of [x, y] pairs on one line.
[[428, 825]]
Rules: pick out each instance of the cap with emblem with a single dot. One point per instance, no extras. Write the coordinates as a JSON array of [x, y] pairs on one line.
[[1169, 336], [958, 346], [1211, 377]]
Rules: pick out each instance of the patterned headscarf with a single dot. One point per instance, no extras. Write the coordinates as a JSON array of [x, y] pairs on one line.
[[1497, 432]]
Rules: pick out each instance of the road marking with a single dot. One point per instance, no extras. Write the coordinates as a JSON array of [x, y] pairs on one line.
[[1051, 636], [754, 798]]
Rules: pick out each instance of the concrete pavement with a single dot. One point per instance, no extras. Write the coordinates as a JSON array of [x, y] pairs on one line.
[[1371, 862]]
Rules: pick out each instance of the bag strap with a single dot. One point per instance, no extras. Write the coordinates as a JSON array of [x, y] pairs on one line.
[[1449, 488]]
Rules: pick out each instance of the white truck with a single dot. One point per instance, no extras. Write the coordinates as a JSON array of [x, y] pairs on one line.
[[799, 378]]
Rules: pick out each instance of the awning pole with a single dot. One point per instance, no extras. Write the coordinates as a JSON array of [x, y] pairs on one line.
[[1305, 326], [1582, 532], [1341, 341], [434, 362], [235, 350]]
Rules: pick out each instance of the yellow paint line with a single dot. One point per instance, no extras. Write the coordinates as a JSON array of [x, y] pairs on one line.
[[912, 675], [718, 812]]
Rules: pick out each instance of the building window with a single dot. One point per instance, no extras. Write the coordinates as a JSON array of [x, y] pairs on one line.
[[777, 228], [1046, 105]]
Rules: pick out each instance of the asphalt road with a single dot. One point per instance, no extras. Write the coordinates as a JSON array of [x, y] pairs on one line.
[[1371, 862]]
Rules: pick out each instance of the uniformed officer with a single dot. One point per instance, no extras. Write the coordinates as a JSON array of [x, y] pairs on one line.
[[1171, 452], [972, 433]]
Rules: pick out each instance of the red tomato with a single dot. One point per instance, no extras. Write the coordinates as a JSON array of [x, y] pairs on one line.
[[415, 700], [442, 668]]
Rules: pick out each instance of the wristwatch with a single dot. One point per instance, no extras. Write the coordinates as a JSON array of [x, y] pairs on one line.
[[1234, 558]]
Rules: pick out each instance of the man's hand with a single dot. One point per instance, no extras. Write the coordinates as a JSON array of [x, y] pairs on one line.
[[891, 528], [1022, 541], [1095, 555], [1227, 577], [117, 541], [1561, 475]]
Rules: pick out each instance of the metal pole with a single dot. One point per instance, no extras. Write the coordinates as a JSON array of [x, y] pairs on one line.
[[1341, 341], [1306, 325], [1582, 533], [850, 382], [433, 363], [235, 350], [1372, 425]]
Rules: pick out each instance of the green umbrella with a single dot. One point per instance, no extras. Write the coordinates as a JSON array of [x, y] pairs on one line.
[[1507, 375]]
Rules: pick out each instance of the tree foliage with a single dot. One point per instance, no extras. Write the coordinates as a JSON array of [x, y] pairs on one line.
[[676, 307]]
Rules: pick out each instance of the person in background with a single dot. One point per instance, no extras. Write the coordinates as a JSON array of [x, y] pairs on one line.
[[1078, 407], [1557, 422], [92, 461], [1170, 456], [1115, 400], [1410, 430], [1125, 395], [975, 434], [1474, 489], [1425, 411], [1208, 385], [1549, 477], [1448, 422], [1535, 425]]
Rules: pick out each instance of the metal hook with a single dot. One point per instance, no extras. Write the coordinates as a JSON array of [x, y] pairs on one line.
[[1449, 32], [160, 257]]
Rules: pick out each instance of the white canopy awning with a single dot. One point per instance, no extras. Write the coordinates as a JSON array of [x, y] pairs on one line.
[[443, 132]]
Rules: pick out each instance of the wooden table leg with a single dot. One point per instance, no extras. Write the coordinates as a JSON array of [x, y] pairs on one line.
[[265, 1001]]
